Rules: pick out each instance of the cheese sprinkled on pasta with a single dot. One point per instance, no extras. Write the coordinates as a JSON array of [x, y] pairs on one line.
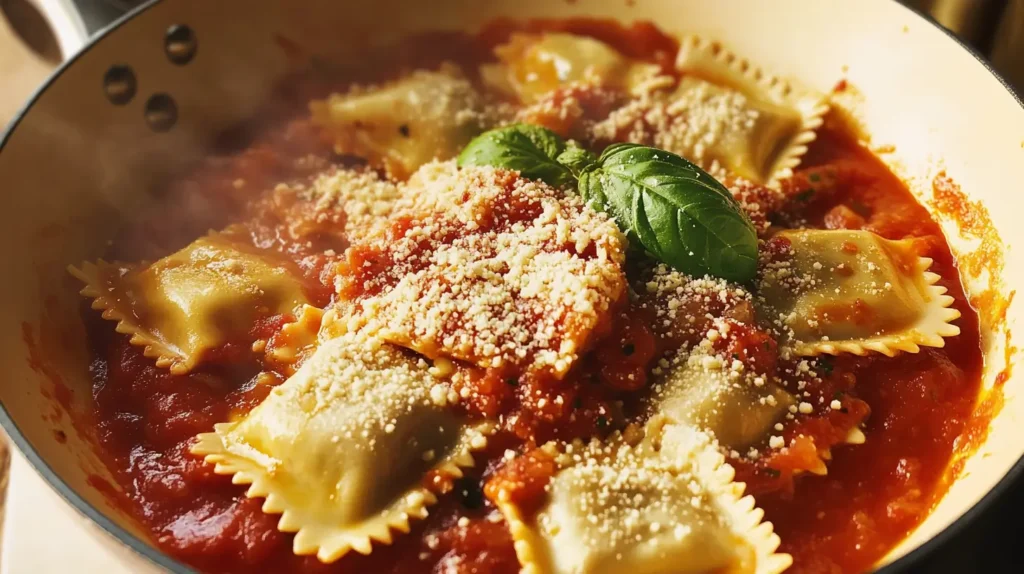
[[484, 266]]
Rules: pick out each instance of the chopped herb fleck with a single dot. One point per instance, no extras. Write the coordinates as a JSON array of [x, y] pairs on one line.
[[860, 209], [512, 382], [628, 349], [772, 472], [577, 403], [404, 130], [825, 365], [601, 421], [470, 494], [814, 177], [805, 195]]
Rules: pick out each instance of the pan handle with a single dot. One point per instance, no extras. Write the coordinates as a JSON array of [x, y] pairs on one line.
[[74, 21], [65, 22]]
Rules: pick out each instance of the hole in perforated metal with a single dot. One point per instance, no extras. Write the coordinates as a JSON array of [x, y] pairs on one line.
[[180, 44], [119, 84], [161, 112]]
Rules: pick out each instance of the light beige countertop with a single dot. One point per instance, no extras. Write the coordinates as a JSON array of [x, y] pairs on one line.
[[43, 534]]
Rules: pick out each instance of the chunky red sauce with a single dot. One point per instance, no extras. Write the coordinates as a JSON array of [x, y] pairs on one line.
[[874, 494], [877, 492]]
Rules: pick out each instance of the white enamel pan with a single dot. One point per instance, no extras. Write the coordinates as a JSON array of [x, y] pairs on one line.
[[124, 111]]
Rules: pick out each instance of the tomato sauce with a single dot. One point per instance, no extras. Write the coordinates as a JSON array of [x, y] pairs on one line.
[[913, 406], [877, 492]]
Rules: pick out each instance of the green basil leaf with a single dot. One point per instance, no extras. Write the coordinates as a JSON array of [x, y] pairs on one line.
[[530, 150], [674, 210], [576, 159]]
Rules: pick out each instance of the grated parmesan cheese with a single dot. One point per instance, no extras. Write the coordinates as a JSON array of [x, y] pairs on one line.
[[489, 268]]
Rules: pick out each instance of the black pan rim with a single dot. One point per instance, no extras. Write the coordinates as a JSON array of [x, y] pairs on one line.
[[163, 560]]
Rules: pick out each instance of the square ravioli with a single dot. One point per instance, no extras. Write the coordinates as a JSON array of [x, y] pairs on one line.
[[532, 65], [708, 391], [342, 449], [187, 304], [620, 508], [723, 114], [404, 124], [489, 268], [834, 291]]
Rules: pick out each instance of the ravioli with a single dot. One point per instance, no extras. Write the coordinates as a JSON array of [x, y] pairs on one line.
[[616, 508], [854, 292], [724, 115], [403, 124], [784, 115], [535, 64], [745, 141], [736, 409], [343, 449], [487, 268], [195, 300]]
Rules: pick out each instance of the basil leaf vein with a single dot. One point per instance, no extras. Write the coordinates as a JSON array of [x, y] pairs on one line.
[[675, 211], [530, 150]]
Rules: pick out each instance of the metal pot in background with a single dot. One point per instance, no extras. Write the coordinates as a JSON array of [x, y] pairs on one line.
[[995, 28], [973, 21]]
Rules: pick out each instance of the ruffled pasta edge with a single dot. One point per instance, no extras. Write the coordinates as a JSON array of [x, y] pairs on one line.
[[699, 54], [165, 355], [296, 340], [931, 329], [379, 528], [706, 464]]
